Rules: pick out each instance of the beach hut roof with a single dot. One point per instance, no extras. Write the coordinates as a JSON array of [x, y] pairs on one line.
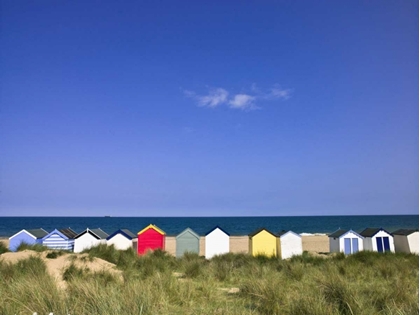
[[35, 233], [38, 233], [341, 232], [283, 232], [97, 233], [217, 227], [260, 230], [370, 232], [188, 230], [64, 233], [338, 233], [127, 233], [154, 227], [69, 233], [405, 232]]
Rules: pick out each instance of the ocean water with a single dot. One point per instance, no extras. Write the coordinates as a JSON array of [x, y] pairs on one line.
[[201, 225]]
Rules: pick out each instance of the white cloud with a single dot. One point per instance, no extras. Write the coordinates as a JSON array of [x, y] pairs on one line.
[[277, 92], [243, 101], [215, 98]]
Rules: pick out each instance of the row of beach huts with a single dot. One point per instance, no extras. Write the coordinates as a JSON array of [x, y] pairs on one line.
[[217, 241]]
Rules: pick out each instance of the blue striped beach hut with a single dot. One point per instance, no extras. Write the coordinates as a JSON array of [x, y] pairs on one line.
[[30, 237], [60, 239]]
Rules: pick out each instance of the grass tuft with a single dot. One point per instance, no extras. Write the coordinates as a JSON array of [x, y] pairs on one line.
[[35, 247], [3, 248]]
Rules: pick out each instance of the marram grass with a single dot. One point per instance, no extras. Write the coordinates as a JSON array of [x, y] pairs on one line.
[[157, 283]]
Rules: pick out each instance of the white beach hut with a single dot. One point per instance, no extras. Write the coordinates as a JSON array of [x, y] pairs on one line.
[[377, 240], [122, 239], [216, 242], [290, 244], [406, 241], [347, 241], [89, 238]]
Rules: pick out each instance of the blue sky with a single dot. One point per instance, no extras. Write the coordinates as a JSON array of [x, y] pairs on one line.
[[192, 108]]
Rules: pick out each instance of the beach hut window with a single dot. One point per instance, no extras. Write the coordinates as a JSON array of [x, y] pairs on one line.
[[351, 245], [382, 244]]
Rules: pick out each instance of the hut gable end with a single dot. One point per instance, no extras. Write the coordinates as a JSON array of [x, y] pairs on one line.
[[264, 242], [187, 241], [29, 237], [58, 240], [216, 242], [150, 238]]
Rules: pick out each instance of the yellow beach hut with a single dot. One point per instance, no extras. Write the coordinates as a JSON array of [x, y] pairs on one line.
[[263, 242]]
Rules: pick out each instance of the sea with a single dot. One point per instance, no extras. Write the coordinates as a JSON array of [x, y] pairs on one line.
[[201, 225]]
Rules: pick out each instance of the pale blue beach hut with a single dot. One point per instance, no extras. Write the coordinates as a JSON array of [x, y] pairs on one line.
[[30, 237], [187, 241], [60, 239]]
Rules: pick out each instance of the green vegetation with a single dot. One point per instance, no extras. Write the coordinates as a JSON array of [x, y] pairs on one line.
[[54, 254], [34, 247], [3, 248], [157, 283]]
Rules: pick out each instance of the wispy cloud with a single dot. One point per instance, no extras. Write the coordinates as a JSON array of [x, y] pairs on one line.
[[215, 97], [277, 92], [243, 101]]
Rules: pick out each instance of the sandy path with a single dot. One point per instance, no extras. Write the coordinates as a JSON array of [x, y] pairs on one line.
[[57, 266]]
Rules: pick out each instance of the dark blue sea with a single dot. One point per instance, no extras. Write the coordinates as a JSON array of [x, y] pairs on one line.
[[201, 225]]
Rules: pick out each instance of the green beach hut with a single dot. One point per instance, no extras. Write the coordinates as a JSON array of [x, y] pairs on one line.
[[187, 241]]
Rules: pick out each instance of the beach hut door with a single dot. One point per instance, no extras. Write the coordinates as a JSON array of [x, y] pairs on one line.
[[347, 246], [386, 244], [382, 243], [355, 245], [351, 245]]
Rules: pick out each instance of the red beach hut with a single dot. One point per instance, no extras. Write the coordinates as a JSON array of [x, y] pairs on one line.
[[150, 238]]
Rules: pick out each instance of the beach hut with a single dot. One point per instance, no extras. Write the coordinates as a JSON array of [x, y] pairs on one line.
[[187, 241], [263, 242], [60, 239], [89, 238], [377, 240], [346, 241], [216, 242], [290, 244], [406, 241], [150, 238], [122, 239], [30, 237]]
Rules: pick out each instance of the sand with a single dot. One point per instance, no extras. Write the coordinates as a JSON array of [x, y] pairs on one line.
[[202, 246], [316, 243], [57, 266], [239, 244], [170, 245]]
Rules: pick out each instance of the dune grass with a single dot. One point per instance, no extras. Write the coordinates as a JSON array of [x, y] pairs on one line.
[[157, 283], [35, 247], [3, 248]]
